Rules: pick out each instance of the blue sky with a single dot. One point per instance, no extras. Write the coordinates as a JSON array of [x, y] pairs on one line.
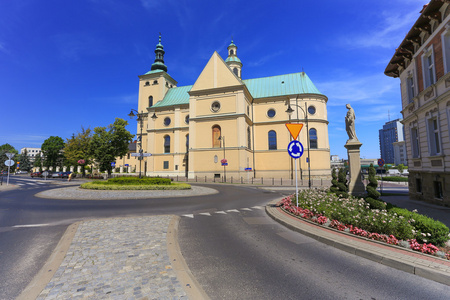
[[68, 64]]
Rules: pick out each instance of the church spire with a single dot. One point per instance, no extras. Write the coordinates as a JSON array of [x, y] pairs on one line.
[[233, 61], [159, 57]]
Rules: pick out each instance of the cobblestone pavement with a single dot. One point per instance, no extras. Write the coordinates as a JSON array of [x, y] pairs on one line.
[[120, 258]]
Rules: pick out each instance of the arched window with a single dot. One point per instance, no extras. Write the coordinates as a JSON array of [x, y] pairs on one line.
[[272, 140], [231, 52], [216, 133], [150, 101], [235, 71], [249, 140], [187, 141], [312, 138], [166, 144]]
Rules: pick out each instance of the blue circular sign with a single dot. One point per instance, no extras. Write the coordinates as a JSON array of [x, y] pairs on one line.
[[380, 162], [295, 149]]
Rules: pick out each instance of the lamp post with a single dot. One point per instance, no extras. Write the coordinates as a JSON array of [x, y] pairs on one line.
[[222, 138], [290, 111], [140, 118]]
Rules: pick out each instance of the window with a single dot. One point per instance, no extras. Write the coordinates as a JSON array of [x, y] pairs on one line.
[[235, 71], [216, 133], [249, 140], [446, 50], [166, 144], [167, 121], [147, 83], [155, 81], [418, 185], [187, 141], [312, 138], [271, 113], [428, 68], [231, 52], [186, 119], [410, 89], [150, 101], [166, 165], [272, 140], [215, 107], [433, 137], [311, 110], [438, 189], [415, 146]]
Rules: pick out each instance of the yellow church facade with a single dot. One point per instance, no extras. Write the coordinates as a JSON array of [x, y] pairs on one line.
[[224, 126]]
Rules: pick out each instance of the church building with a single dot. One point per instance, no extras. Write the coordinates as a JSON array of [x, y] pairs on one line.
[[226, 126]]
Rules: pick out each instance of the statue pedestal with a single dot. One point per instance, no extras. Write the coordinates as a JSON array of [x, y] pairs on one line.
[[355, 186]]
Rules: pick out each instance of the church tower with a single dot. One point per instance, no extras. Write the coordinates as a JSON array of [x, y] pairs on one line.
[[233, 61], [159, 57]]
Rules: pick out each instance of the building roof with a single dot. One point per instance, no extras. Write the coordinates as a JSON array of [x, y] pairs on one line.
[[281, 85], [406, 49]]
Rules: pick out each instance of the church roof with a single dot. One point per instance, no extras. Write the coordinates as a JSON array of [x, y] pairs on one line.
[[281, 85]]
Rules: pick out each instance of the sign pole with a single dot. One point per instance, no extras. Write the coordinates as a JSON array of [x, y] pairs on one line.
[[296, 182]]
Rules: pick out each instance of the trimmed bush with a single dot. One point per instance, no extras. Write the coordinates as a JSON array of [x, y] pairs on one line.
[[426, 229], [395, 178], [139, 181], [371, 187], [100, 185]]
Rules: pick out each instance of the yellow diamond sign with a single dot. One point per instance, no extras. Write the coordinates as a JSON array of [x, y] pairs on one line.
[[294, 129]]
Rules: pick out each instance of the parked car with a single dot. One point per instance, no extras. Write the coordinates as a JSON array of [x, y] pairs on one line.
[[21, 172], [35, 174], [57, 175], [65, 174]]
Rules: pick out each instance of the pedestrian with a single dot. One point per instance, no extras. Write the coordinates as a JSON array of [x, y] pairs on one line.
[[70, 177]]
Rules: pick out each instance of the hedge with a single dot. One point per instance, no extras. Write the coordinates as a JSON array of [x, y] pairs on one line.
[[99, 185], [136, 181]]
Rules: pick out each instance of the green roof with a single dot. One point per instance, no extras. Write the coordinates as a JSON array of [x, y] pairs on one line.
[[282, 85], [233, 58], [175, 96]]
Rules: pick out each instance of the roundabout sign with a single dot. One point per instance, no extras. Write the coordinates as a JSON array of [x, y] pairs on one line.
[[295, 149]]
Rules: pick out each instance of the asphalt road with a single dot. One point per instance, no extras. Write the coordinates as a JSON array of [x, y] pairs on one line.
[[234, 254]]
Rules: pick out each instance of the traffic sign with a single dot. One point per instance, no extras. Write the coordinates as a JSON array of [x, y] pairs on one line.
[[9, 163], [380, 162], [113, 164], [141, 154], [10, 155], [248, 169], [224, 164], [295, 149], [294, 129]]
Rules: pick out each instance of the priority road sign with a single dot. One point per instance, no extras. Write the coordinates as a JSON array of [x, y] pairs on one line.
[[295, 149]]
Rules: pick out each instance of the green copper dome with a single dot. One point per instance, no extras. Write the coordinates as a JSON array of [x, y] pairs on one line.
[[159, 57]]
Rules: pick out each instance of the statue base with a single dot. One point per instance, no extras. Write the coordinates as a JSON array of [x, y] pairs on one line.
[[355, 186]]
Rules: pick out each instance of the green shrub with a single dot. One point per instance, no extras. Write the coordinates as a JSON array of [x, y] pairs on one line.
[[395, 178], [99, 185], [342, 184], [426, 228], [375, 204], [371, 187], [139, 181]]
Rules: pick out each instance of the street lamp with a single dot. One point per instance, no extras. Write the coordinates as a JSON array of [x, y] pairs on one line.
[[140, 118], [222, 138], [290, 111]]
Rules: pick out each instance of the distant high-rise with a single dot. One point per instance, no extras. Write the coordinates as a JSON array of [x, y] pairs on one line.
[[391, 133]]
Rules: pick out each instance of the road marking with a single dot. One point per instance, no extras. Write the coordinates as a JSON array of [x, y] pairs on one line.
[[220, 212], [246, 209], [232, 210], [189, 216], [31, 225], [205, 214], [258, 207]]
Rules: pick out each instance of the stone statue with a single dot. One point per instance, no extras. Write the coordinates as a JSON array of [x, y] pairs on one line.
[[350, 124]]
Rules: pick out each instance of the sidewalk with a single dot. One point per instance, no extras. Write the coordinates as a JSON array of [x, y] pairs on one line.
[[413, 262]]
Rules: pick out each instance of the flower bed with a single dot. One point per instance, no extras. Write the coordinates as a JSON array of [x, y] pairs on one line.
[[354, 216]]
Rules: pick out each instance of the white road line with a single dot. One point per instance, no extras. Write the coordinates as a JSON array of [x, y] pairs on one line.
[[246, 209], [188, 216], [232, 210], [205, 214], [258, 207], [31, 225], [220, 212]]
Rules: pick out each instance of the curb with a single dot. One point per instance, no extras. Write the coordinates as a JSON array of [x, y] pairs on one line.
[[420, 265]]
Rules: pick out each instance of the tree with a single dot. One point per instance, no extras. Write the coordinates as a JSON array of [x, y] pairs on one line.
[[6, 148], [25, 163], [51, 149], [77, 147], [400, 168], [109, 142], [342, 184], [334, 182]]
